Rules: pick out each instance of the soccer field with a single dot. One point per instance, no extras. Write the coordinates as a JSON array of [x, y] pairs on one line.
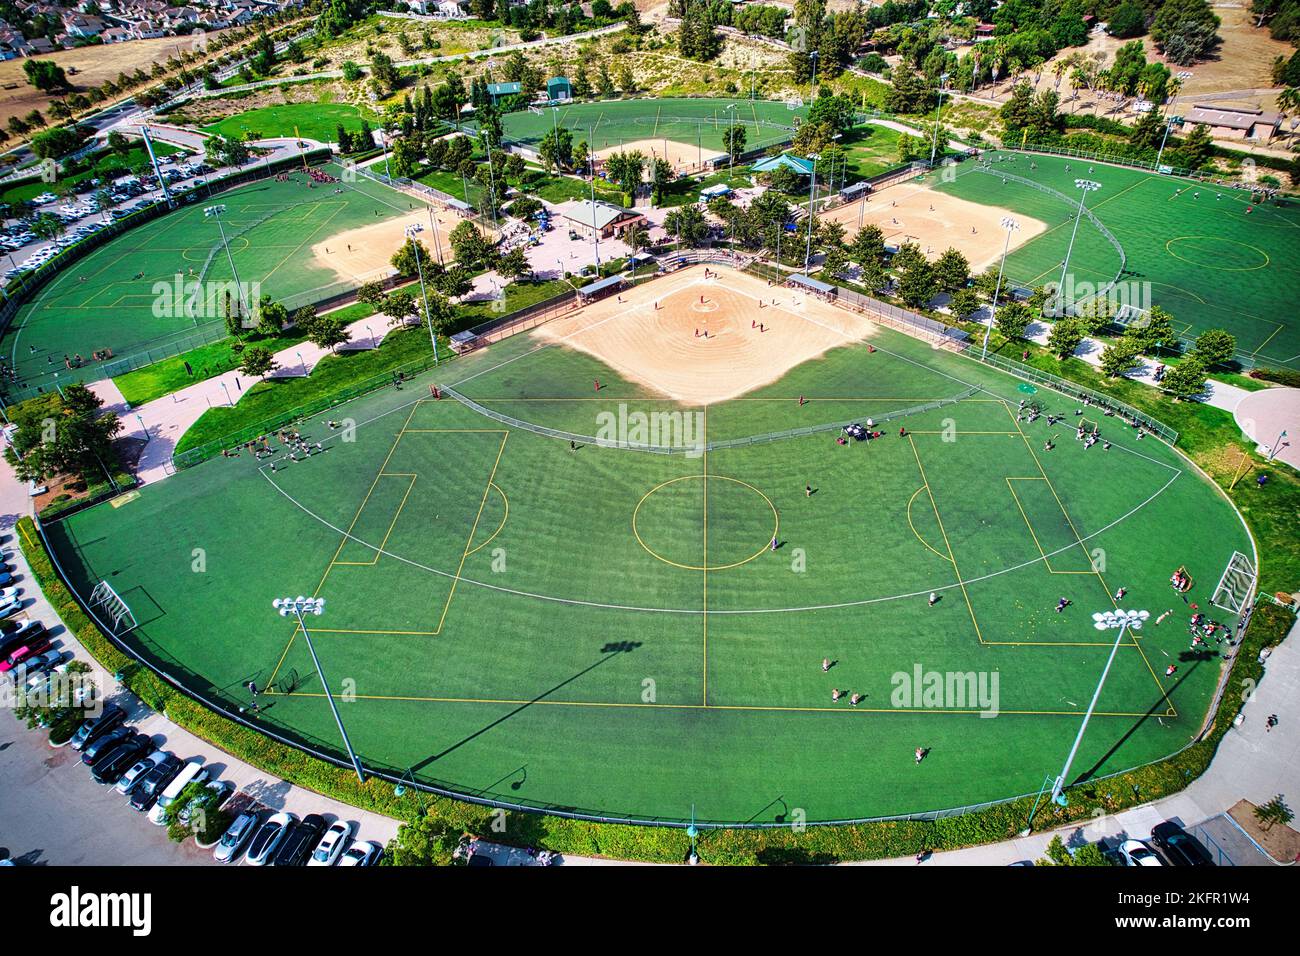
[[1203, 252], [696, 123], [122, 295], [611, 631]]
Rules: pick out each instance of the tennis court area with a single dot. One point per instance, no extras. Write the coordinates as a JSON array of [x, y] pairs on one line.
[[134, 297], [1205, 253], [734, 635]]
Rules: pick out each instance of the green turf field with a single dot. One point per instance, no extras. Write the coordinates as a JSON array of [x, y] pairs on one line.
[[318, 121], [110, 299], [683, 120], [609, 631], [1193, 247]]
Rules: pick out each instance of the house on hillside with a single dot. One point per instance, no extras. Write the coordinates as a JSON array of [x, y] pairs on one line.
[[1236, 122]]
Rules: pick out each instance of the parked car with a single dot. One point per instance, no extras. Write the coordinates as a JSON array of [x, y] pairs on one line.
[[362, 854], [150, 788], [268, 838], [23, 632], [1179, 847], [108, 769], [11, 606], [236, 838], [23, 654], [109, 718], [104, 743], [298, 843], [135, 773], [192, 772], [6, 579], [332, 844], [1137, 853]]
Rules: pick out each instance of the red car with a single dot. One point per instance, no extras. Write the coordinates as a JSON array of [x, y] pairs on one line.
[[20, 655]]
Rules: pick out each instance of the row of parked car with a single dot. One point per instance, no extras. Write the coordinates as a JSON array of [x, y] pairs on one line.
[[121, 192], [1174, 846], [153, 780]]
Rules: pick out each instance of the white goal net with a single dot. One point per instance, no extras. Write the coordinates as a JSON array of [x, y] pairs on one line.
[[1237, 585], [111, 608]]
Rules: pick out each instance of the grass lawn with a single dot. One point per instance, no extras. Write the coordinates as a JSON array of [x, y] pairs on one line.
[[871, 150], [561, 189], [683, 192], [318, 121], [169, 375]]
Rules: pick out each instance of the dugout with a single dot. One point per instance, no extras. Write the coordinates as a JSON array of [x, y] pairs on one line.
[[602, 288], [463, 342], [823, 289], [856, 191]]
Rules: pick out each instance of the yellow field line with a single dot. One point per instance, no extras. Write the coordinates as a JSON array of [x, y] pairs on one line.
[[505, 436]]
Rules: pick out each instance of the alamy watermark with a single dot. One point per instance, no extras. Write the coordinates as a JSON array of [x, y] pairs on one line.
[[625, 428], [946, 690], [186, 297]]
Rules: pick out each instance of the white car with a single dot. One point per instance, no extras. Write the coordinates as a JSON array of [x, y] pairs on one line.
[[331, 845], [362, 854], [1137, 853], [43, 198]]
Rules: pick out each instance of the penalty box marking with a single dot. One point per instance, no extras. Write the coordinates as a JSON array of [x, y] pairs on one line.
[[347, 536]]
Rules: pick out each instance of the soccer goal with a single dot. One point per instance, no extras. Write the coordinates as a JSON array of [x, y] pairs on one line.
[[115, 611], [1237, 585], [794, 102]]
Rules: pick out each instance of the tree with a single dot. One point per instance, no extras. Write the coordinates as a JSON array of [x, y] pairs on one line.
[[46, 75], [868, 245], [428, 840], [1119, 358], [1274, 812], [272, 316], [556, 149], [1013, 320], [733, 140], [404, 260], [399, 306], [916, 284], [371, 293], [1156, 329], [258, 361], [1064, 338], [661, 174], [469, 246], [323, 331], [688, 224], [118, 143], [514, 264], [1087, 855], [835, 263], [1186, 380], [62, 433], [964, 302], [1185, 30], [454, 281], [951, 271], [1215, 347], [1128, 20]]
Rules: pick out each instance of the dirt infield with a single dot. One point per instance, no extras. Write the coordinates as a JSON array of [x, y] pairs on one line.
[[912, 212], [699, 340], [679, 155], [365, 254]]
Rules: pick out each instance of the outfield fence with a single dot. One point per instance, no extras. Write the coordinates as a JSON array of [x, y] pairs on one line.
[[396, 377], [1087, 396]]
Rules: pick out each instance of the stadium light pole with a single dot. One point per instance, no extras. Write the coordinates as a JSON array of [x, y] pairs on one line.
[[591, 168], [1084, 186], [437, 243], [812, 192], [215, 213], [1169, 124], [812, 84], [731, 139], [1120, 621], [934, 137], [1010, 225], [297, 607], [412, 231]]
